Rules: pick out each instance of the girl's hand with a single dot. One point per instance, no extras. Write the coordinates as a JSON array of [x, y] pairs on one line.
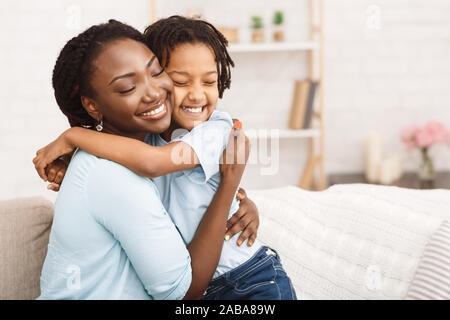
[[55, 172], [234, 157], [50, 153], [246, 219]]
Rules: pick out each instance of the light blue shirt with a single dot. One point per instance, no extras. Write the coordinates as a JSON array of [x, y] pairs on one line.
[[187, 194], [111, 238]]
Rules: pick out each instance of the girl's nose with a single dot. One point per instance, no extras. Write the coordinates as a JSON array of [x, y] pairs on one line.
[[196, 94]]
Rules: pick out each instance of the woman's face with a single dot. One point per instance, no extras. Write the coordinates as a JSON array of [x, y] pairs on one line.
[[132, 93], [193, 70]]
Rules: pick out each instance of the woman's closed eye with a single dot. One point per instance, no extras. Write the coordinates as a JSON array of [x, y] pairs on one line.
[[127, 90], [210, 83]]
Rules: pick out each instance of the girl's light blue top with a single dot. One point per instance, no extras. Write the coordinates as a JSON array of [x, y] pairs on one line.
[[187, 194], [111, 238]]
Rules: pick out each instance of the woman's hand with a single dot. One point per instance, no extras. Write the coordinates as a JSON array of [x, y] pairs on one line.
[[48, 154], [246, 219]]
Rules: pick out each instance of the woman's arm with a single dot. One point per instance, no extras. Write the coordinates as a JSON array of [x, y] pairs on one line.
[[129, 208], [206, 246], [143, 159]]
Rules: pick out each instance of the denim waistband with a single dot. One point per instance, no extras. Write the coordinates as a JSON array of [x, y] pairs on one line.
[[262, 255]]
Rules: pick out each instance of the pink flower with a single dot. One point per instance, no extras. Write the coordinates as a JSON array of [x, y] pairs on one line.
[[409, 135], [436, 131], [424, 139]]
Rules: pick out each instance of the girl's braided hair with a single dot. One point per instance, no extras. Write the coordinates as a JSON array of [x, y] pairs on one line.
[[73, 69], [165, 34]]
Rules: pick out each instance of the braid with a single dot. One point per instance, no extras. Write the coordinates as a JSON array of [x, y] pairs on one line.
[[164, 35], [67, 78], [73, 69]]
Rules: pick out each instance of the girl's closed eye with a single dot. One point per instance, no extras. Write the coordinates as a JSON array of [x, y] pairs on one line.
[[180, 83], [157, 74]]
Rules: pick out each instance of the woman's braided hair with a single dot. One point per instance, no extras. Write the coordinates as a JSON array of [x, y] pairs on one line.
[[165, 34], [73, 69]]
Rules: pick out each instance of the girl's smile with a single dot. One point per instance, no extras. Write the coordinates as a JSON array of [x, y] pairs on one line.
[[193, 70], [194, 111]]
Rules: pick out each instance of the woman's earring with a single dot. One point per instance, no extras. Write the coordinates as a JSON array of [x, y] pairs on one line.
[[99, 126]]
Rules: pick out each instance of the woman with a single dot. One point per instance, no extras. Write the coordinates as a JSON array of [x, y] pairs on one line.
[[111, 237]]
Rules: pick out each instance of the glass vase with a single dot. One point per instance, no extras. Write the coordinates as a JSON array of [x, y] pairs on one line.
[[426, 166]]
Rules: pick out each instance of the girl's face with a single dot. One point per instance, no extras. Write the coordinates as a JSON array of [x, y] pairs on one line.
[[193, 70], [132, 93]]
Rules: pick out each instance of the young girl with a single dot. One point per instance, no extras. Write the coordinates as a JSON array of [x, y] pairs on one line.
[[184, 160]]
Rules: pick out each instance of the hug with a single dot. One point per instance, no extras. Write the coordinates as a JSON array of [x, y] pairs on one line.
[[148, 174]]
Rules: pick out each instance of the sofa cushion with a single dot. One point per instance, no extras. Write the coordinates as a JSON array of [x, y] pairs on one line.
[[24, 232], [432, 278], [350, 241]]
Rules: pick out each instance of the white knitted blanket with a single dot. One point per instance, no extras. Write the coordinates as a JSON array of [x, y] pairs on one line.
[[354, 241]]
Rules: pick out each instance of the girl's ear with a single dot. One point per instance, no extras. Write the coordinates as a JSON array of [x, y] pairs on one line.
[[91, 107]]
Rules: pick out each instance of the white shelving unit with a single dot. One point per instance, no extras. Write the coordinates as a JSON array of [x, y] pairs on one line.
[[315, 135], [273, 47], [278, 47], [283, 133]]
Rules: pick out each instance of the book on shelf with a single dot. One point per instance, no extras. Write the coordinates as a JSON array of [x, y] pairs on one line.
[[299, 102], [310, 105], [302, 104]]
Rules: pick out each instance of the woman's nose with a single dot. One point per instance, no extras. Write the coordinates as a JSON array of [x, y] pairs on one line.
[[151, 93]]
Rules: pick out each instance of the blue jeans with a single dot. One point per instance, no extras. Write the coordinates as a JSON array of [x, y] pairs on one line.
[[260, 278]]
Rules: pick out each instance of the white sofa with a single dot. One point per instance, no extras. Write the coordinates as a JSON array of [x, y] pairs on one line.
[[348, 242], [356, 241]]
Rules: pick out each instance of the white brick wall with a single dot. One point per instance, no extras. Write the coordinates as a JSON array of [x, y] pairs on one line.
[[33, 33], [400, 75], [375, 79]]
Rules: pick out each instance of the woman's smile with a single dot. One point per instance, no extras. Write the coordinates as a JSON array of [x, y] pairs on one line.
[[147, 105], [154, 112]]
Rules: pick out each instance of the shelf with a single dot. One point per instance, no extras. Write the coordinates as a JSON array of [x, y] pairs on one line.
[[270, 47], [283, 133], [407, 180]]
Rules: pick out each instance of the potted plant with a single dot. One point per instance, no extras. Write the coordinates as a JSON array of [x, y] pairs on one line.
[[278, 30], [257, 29]]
